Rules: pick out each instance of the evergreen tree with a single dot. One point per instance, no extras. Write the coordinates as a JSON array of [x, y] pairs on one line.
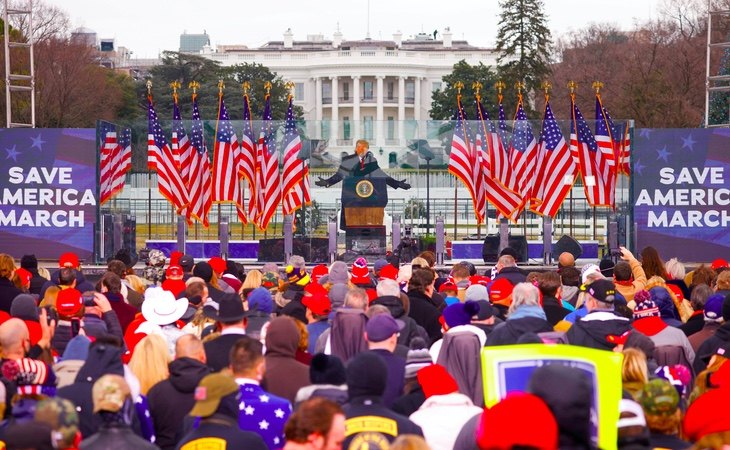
[[443, 103], [524, 43], [719, 99]]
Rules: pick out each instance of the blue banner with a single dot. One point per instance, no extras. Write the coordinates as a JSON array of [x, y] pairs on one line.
[[681, 196], [48, 190]]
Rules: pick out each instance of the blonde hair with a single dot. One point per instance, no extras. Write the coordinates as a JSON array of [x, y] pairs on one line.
[[136, 283], [49, 298], [714, 441], [723, 280], [7, 266], [634, 367], [149, 361], [253, 280], [42, 271], [303, 335]]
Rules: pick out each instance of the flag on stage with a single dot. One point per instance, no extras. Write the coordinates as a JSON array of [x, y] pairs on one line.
[[498, 156], [555, 169], [169, 181], [247, 164], [225, 185], [125, 144], [181, 151], [108, 162], [593, 168], [503, 199], [462, 159], [268, 186], [607, 146], [522, 156], [199, 180], [295, 175]]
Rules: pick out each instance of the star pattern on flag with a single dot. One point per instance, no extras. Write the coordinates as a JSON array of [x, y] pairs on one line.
[[689, 143], [264, 425], [249, 410], [12, 153], [264, 398], [38, 143], [277, 440], [663, 154], [551, 134], [279, 413]]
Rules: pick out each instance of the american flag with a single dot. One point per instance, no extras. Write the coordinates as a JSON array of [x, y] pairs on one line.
[[462, 158], [268, 185], [498, 157], [199, 181], [555, 168], [505, 200], [125, 143], [606, 145], [522, 155], [181, 151], [295, 174], [226, 188], [169, 181], [108, 162], [593, 167], [623, 150], [247, 164]]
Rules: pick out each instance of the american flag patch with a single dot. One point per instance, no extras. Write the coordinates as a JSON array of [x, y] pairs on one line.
[[201, 393]]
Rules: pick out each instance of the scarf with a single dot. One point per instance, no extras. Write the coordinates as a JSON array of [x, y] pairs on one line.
[[527, 311]]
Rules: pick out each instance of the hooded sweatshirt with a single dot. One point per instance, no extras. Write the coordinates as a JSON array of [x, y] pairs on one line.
[[103, 359], [172, 399], [594, 329], [284, 374]]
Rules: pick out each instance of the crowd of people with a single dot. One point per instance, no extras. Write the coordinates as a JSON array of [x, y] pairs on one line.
[[204, 355]]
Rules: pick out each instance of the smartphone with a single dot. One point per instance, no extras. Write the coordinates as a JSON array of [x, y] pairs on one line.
[[75, 327], [88, 298]]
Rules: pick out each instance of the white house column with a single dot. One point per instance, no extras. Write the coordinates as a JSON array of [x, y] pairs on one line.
[[356, 108], [379, 124], [334, 122], [401, 110], [318, 105], [417, 106]]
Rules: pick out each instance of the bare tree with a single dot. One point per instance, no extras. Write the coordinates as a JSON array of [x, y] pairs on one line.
[[49, 21]]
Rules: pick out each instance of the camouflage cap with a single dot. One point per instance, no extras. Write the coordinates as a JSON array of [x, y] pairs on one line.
[[659, 398], [109, 393], [61, 415], [156, 258]]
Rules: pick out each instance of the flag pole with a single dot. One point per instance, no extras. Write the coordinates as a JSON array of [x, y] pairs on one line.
[[459, 86], [149, 176]]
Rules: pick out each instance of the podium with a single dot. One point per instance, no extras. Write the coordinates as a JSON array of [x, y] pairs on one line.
[[364, 216]]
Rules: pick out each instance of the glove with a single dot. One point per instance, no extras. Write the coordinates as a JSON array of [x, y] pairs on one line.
[[321, 182], [403, 185]]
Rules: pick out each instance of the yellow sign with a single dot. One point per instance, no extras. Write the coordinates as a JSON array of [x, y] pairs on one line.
[[375, 424]]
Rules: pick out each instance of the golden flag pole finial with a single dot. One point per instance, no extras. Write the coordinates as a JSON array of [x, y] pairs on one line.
[[459, 86], [246, 86], [597, 86], [519, 86], [194, 85], [477, 86], [546, 86], [267, 87], [175, 85], [499, 85], [149, 88], [221, 86], [572, 85], [289, 85]]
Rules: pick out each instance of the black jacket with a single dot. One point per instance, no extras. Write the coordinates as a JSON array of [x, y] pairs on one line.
[[593, 329], [172, 399], [217, 350], [510, 331], [36, 282], [410, 402], [223, 427], [710, 346], [8, 292], [513, 274], [694, 324], [115, 437], [396, 375], [395, 306], [362, 414], [425, 314], [103, 359], [553, 310]]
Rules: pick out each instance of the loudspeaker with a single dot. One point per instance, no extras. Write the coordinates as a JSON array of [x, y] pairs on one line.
[[313, 250], [567, 244], [490, 249]]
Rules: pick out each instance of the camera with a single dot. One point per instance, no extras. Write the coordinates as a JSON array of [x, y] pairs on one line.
[[88, 298]]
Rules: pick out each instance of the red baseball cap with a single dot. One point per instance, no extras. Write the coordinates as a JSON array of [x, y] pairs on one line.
[[319, 304], [389, 272], [500, 292], [500, 429], [314, 289], [318, 272], [69, 303], [719, 263], [174, 271], [24, 276], [218, 264], [448, 286], [68, 259]]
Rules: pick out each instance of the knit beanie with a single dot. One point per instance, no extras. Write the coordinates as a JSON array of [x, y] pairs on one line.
[[367, 374], [436, 380], [417, 360], [24, 307], [297, 275], [327, 369]]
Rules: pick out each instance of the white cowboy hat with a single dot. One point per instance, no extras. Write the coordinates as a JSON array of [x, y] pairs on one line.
[[161, 308]]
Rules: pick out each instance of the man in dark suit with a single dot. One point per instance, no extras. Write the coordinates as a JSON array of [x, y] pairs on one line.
[[231, 316], [354, 169]]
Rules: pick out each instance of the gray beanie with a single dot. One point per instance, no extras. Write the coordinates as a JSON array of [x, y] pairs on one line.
[[24, 307], [338, 273]]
